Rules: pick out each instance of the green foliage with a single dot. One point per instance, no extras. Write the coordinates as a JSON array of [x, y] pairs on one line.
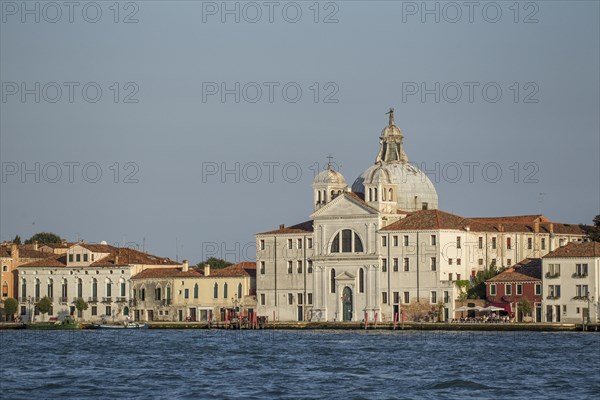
[[524, 307], [477, 289], [594, 233], [17, 240], [44, 305], [215, 263], [10, 307], [44, 237], [80, 304]]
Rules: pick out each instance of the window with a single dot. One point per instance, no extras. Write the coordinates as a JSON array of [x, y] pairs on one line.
[[143, 294], [538, 289], [480, 242], [383, 241], [300, 299], [299, 266], [508, 262], [458, 277], [95, 288], [396, 297], [78, 257], [581, 290], [123, 288], [424, 206], [196, 291], [554, 270], [361, 280], [216, 291], [290, 243], [186, 293], [225, 291], [290, 267], [449, 261], [94, 310], [576, 310], [157, 293], [346, 241], [480, 261], [384, 297], [108, 289], [384, 265], [395, 240], [508, 289], [450, 276], [108, 310], [262, 244], [350, 242], [554, 291], [50, 288], [262, 267], [70, 257], [493, 243], [433, 297], [239, 291], [168, 295], [309, 298], [395, 264], [85, 257], [290, 298], [519, 289], [310, 267], [433, 240], [406, 265], [529, 243], [299, 243], [406, 297], [64, 289], [458, 242], [309, 244], [543, 243], [581, 270], [262, 299], [446, 296], [433, 264], [79, 288], [405, 240], [332, 280], [5, 268], [391, 194], [458, 261]]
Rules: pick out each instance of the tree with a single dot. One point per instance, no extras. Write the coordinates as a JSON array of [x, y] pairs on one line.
[[477, 289], [44, 237], [463, 288], [215, 263], [418, 310], [10, 308], [524, 307], [594, 232], [44, 305], [17, 240], [81, 305]]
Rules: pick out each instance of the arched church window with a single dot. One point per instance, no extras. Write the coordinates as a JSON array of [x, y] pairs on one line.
[[370, 195], [361, 280], [332, 280], [375, 193], [335, 245], [332, 194], [358, 246], [350, 242], [391, 196], [319, 200], [383, 194], [346, 241]]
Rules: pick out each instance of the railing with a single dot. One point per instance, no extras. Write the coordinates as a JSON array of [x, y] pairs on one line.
[[553, 297], [63, 300], [22, 299], [584, 298], [552, 276], [92, 299], [121, 300], [579, 276], [36, 299], [107, 299]]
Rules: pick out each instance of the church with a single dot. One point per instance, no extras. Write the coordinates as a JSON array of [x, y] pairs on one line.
[[380, 247]]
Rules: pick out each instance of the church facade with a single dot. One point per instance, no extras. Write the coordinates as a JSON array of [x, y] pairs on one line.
[[379, 248]]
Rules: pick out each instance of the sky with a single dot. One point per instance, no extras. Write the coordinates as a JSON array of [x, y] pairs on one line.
[[183, 128]]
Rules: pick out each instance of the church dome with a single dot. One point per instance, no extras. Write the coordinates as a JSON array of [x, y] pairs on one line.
[[329, 177]]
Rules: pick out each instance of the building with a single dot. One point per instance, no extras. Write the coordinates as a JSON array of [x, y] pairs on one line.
[[184, 293], [97, 273], [376, 248], [11, 256], [571, 283], [521, 282]]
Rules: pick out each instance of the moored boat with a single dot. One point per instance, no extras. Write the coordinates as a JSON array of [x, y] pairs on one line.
[[125, 325]]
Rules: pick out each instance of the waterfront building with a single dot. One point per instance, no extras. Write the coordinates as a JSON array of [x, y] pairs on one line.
[[11, 256], [571, 283], [521, 282], [381, 246], [184, 293], [97, 273]]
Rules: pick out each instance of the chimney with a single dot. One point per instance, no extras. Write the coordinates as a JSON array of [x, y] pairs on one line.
[[536, 226], [185, 267], [500, 228], [206, 269], [467, 228], [281, 226], [14, 252], [551, 227]]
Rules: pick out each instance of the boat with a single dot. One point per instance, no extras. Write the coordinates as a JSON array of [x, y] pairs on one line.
[[125, 325], [66, 324]]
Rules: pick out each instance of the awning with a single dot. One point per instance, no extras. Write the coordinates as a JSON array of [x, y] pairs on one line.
[[504, 306]]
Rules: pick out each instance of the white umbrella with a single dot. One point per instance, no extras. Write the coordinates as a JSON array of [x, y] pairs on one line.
[[463, 308]]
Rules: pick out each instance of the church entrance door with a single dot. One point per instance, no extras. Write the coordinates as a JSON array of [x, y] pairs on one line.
[[347, 304]]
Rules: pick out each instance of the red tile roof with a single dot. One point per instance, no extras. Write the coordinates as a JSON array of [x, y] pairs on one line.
[[303, 227], [25, 251], [527, 270], [574, 249], [515, 219], [242, 269], [55, 260]]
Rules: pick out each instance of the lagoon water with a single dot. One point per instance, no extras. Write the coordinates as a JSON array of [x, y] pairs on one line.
[[195, 364]]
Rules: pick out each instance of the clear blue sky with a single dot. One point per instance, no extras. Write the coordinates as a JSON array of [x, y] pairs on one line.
[[371, 59]]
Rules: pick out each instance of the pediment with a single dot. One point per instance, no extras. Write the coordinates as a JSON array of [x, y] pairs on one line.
[[344, 206], [345, 275]]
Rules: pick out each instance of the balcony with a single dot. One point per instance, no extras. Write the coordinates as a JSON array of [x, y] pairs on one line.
[[579, 276], [107, 299], [92, 299], [63, 300], [552, 276], [582, 298], [553, 297], [121, 300]]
